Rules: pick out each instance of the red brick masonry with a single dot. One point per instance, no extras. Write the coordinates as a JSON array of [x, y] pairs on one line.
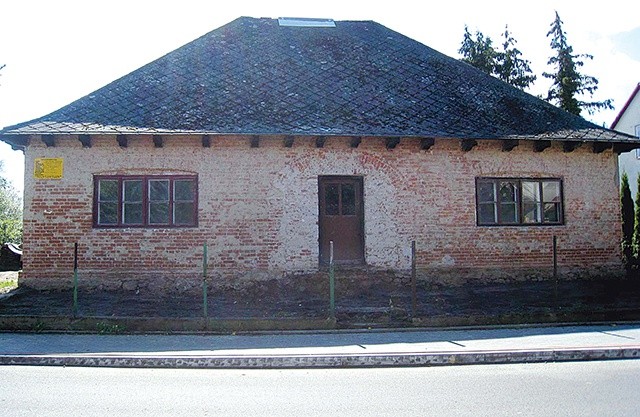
[[258, 211]]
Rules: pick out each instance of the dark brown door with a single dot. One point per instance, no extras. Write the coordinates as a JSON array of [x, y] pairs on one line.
[[341, 219]]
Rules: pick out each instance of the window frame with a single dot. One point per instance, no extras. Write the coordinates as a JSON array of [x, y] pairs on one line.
[[495, 181], [146, 179]]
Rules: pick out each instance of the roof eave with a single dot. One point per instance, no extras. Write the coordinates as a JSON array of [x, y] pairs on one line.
[[17, 142], [20, 140]]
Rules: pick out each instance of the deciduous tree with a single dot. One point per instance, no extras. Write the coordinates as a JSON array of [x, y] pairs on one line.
[[10, 212]]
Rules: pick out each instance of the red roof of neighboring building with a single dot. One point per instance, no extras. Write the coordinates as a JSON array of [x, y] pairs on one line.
[[626, 106]]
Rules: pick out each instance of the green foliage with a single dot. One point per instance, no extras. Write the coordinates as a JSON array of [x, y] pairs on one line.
[[506, 64], [109, 328], [626, 205], [510, 67], [9, 284], [478, 52], [10, 213], [568, 82], [636, 228]]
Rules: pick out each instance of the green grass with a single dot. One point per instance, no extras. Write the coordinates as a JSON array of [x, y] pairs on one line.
[[8, 285]]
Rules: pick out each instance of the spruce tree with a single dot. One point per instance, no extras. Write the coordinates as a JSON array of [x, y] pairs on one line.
[[478, 52], [568, 82], [510, 67], [627, 212]]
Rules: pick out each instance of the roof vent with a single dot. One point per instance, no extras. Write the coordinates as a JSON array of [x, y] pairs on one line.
[[303, 22]]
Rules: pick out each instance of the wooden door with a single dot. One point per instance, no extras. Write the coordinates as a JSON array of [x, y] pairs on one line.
[[341, 219]]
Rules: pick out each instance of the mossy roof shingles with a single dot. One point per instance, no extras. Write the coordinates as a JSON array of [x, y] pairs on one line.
[[358, 78]]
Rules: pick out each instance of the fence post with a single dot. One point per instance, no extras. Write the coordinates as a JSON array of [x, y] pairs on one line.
[[204, 281], [414, 295], [75, 279], [332, 284]]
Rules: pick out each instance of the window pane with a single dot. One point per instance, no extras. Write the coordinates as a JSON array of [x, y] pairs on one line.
[[348, 199], [133, 190], [551, 191], [551, 213], [530, 192], [184, 190], [108, 213], [158, 213], [331, 199], [508, 213], [486, 192], [146, 201], [507, 192], [159, 190], [183, 213], [531, 212], [487, 213], [108, 190], [132, 213], [519, 201]]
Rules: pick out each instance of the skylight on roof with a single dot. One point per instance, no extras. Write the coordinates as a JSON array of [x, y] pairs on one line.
[[304, 22]]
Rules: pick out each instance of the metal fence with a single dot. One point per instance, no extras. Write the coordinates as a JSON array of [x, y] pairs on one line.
[[355, 297]]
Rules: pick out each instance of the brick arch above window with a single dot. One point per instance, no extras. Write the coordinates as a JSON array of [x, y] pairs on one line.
[[141, 172]]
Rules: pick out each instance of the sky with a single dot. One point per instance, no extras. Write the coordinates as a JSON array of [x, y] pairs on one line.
[[58, 51]]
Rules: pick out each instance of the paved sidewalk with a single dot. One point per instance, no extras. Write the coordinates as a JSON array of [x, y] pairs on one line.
[[326, 349]]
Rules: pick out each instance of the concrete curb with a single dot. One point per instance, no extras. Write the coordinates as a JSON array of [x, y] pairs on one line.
[[326, 361]]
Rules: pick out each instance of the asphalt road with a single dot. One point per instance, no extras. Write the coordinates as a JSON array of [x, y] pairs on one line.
[[546, 389]]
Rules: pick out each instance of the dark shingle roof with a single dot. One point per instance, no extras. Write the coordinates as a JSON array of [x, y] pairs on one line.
[[253, 76]]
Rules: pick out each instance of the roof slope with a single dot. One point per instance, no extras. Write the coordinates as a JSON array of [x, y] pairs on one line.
[[626, 106], [360, 78]]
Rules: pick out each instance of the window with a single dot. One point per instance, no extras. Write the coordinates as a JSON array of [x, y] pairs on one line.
[[511, 201], [340, 199], [145, 201]]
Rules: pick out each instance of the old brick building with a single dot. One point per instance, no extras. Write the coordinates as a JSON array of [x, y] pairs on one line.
[[269, 138]]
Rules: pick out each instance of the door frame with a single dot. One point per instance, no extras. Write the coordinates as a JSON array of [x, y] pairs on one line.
[[359, 179]]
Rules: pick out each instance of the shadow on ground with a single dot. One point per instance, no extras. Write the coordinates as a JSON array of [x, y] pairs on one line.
[[370, 306]]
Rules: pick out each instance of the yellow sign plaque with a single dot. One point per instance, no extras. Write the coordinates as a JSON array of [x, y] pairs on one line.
[[48, 168]]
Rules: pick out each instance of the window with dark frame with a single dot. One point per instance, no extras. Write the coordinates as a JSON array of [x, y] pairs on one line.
[[340, 199], [519, 201], [145, 201]]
